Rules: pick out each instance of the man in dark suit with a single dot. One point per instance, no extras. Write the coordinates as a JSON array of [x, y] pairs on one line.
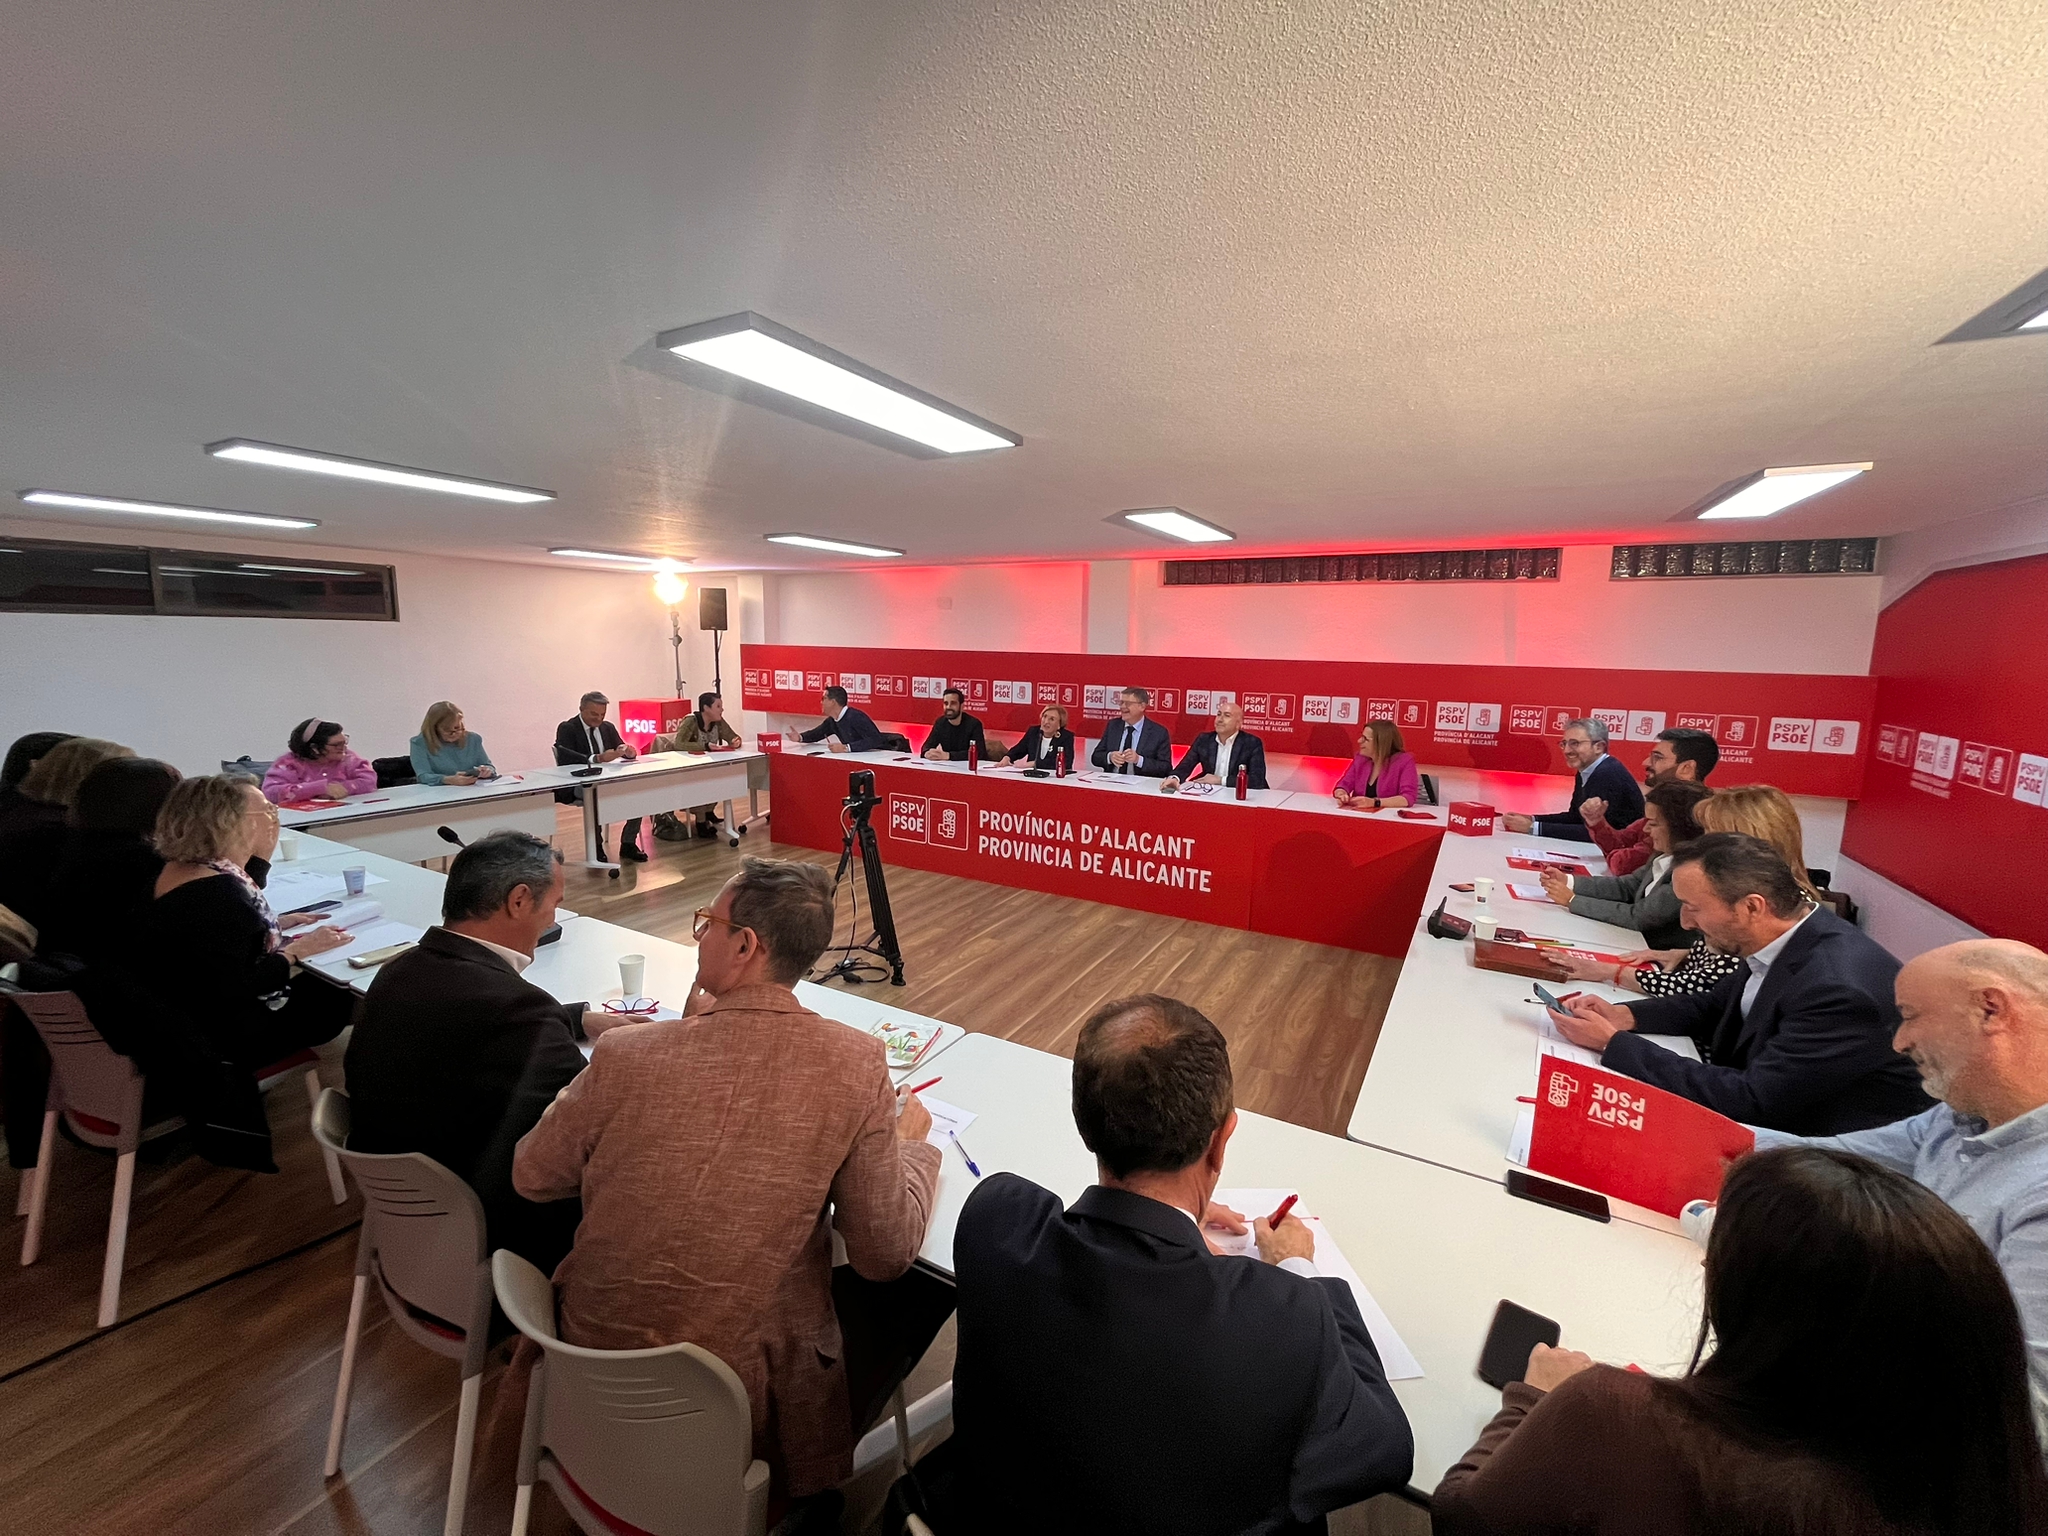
[[1799, 1039], [1116, 1374], [590, 740], [1599, 777], [1217, 755], [454, 1055], [844, 728], [1136, 744], [953, 730]]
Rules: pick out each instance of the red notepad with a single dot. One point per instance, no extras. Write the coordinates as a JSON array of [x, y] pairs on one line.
[[1561, 864], [1629, 1140]]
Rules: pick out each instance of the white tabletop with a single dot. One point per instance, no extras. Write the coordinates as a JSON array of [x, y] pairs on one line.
[[1438, 1249], [400, 799]]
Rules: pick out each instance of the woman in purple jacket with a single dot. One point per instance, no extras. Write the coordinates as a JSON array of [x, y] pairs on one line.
[[319, 766], [1383, 776]]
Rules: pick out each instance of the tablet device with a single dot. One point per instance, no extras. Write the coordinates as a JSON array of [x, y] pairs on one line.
[[1515, 1332]]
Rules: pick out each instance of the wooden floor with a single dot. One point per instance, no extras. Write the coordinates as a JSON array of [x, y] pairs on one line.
[[204, 1408]]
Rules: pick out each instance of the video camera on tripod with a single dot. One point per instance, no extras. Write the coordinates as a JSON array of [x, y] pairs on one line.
[[859, 805]]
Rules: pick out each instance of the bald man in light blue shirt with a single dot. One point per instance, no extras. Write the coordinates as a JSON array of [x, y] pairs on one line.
[[1974, 1018]]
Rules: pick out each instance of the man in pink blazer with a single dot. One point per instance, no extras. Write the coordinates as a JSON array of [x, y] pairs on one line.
[[706, 1150]]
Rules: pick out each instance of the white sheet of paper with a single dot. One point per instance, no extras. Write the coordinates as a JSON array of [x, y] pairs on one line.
[[948, 1120], [1554, 1043], [366, 938], [1520, 1136], [288, 889], [1527, 892], [1257, 1205]]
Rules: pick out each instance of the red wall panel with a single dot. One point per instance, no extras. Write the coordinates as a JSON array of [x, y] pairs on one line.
[[1952, 804], [1808, 734]]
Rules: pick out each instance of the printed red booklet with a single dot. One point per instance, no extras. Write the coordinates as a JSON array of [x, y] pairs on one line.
[[1629, 1140], [1558, 862]]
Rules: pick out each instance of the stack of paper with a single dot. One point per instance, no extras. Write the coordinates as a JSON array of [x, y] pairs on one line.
[[288, 890], [1257, 1205], [377, 935]]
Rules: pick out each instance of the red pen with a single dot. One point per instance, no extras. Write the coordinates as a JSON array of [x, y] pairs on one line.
[[1273, 1221], [920, 1088]]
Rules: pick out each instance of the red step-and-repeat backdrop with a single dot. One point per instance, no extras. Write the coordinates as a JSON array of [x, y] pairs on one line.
[[1955, 805], [1806, 734]]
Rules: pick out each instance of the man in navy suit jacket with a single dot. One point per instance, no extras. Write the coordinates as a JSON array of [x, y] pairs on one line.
[[1799, 1039], [1600, 777], [1135, 745], [850, 729], [1114, 1373], [1244, 750]]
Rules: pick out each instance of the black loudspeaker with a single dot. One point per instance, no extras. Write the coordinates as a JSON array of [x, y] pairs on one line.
[[711, 608]]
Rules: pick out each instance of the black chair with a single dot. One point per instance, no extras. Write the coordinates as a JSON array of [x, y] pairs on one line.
[[893, 742], [1428, 789], [393, 770]]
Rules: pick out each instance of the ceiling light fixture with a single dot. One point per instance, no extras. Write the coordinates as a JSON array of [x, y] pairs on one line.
[[159, 509], [2038, 323], [1773, 490], [777, 358], [1173, 523], [837, 546], [244, 451], [638, 562]]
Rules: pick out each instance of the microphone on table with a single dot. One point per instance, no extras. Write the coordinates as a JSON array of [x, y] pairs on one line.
[[552, 932]]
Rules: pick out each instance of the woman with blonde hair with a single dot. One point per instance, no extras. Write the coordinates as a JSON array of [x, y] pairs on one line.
[[1042, 743], [1383, 776], [1757, 810], [446, 751], [230, 994]]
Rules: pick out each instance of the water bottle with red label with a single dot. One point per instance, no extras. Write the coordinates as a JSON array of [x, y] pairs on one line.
[[1244, 780]]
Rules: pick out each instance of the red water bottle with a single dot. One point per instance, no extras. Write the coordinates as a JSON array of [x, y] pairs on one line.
[[973, 757], [1244, 781], [1059, 763]]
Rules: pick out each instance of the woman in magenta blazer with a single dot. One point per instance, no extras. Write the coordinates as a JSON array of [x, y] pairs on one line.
[[1383, 775], [319, 766]]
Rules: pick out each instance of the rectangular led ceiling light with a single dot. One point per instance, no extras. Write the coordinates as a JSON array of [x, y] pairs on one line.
[[642, 562], [777, 358], [837, 546], [1176, 524], [244, 451], [2038, 323], [295, 570], [160, 509], [1773, 490]]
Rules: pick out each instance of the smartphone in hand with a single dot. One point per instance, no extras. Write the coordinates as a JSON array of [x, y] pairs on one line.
[[1516, 1331]]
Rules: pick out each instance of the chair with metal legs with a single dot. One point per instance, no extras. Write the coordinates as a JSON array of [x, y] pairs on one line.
[[99, 1091], [654, 1440], [423, 1244]]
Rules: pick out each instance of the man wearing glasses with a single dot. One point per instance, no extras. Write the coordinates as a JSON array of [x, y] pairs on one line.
[[1599, 777], [456, 1054], [707, 1150]]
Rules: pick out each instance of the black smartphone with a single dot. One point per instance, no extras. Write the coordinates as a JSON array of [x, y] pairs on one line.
[[585, 773], [1515, 1332], [318, 906], [1463, 886], [1524, 1185]]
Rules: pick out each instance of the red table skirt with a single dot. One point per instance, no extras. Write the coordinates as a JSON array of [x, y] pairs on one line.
[[1357, 884]]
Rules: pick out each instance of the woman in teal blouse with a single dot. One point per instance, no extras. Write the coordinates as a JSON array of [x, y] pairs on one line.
[[445, 752]]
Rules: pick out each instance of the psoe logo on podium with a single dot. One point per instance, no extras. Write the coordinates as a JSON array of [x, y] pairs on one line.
[[909, 818], [1838, 738], [947, 824]]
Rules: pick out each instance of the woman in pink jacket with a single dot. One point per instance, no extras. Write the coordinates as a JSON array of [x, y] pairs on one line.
[[319, 766], [1383, 775]]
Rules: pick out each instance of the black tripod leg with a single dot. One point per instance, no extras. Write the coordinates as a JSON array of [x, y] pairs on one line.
[[879, 915]]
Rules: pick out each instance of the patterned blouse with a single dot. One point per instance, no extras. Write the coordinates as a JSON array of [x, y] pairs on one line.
[[1701, 970]]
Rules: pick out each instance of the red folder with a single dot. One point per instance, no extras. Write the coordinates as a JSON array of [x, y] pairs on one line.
[[1628, 1139], [1562, 863]]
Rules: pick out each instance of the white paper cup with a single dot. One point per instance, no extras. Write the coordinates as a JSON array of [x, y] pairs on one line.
[[287, 847], [632, 972], [1482, 890], [354, 879], [1483, 926]]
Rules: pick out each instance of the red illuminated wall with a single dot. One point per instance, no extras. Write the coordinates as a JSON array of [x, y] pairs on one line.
[[1952, 804]]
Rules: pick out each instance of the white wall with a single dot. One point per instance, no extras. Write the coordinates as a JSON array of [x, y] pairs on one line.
[[1910, 558], [514, 645], [1811, 624], [1902, 922]]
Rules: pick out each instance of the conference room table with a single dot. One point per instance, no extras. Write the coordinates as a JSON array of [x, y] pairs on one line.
[[403, 821], [1438, 1249], [1457, 1047], [583, 964], [1347, 879]]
